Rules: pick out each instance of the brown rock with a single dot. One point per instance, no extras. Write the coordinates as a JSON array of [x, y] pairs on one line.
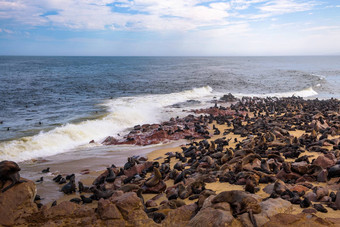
[[63, 209], [320, 192], [311, 196], [322, 176], [211, 217], [17, 202], [324, 162], [300, 220], [108, 210], [222, 206], [300, 167], [180, 216], [299, 188], [137, 169], [127, 203]]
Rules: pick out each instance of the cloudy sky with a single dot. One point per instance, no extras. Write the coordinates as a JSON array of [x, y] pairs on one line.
[[169, 27]]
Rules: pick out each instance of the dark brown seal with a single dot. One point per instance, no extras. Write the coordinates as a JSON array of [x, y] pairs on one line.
[[9, 171]]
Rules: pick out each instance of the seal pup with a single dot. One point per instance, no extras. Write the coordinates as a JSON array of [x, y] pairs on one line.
[[9, 170], [241, 201]]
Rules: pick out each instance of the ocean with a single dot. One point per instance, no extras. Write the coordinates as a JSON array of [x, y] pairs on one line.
[[53, 105]]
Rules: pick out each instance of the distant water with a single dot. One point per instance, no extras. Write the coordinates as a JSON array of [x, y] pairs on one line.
[[51, 105]]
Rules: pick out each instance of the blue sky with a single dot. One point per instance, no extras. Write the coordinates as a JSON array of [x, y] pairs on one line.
[[169, 27]]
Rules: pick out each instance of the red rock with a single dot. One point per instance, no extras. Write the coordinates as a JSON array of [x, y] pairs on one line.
[[108, 210], [324, 162], [299, 188], [137, 169]]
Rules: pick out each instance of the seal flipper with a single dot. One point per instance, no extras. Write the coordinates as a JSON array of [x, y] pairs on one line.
[[252, 218]]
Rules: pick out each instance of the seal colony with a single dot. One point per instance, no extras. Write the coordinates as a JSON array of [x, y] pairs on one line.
[[276, 150]]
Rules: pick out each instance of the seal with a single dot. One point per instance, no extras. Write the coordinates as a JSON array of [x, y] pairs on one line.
[[70, 186], [9, 170], [241, 201], [157, 177]]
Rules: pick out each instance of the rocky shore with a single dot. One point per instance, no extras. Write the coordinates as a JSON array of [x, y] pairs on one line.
[[248, 162]]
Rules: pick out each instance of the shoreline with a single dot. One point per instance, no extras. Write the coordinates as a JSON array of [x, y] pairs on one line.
[[255, 129]]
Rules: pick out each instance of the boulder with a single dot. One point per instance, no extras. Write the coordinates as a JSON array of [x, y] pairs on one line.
[[180, 216], [211, 217], [17, 202], [108, 210], [324, 162], [300, 167]]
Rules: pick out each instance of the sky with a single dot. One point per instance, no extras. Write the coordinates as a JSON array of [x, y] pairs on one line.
[[169, 27]]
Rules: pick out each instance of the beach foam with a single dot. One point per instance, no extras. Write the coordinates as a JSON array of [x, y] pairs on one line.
[[123, 113]]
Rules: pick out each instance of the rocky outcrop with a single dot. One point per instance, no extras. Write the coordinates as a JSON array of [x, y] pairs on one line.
[[17, 203]]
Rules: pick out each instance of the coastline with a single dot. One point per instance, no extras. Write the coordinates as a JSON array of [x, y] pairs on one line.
[[96, 167]]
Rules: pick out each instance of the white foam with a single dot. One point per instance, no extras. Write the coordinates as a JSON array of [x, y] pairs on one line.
[[303, 93], [123, 113]]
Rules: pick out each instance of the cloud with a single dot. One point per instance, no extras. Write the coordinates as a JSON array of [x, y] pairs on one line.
[[322, 28], [156, 15]]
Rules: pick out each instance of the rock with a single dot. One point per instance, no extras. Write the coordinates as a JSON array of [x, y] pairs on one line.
[[311, 196], [211, 217], [324, 162], [300, 220], [180, 216], [337, 200], [269, 208], [279, 187], [108, 210], [127, 203], [322, 176], [299, 188], [63, 209], [17, 202], [300, 167], [269, 189], [320, 192], [137, 169], [222, 206], [309, 211]]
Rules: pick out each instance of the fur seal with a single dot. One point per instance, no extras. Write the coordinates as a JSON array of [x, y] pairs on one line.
[[46, 170], [157, 177], [9, 170], [70, 186], [241, 201]]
